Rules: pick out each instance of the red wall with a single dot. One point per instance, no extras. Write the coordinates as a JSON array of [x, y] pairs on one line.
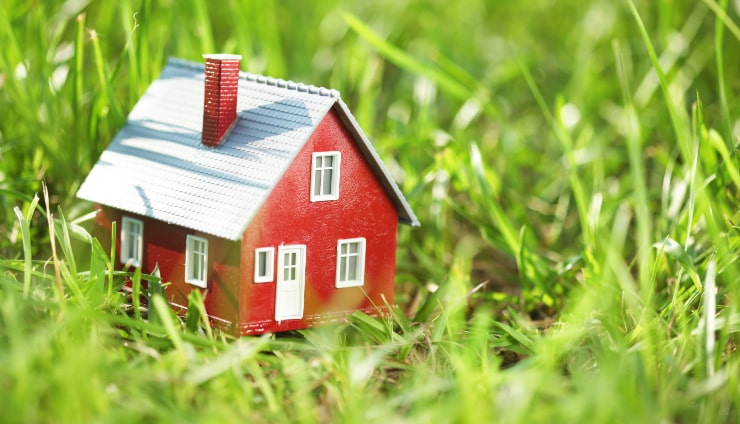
[[164, 245], [288, 217]]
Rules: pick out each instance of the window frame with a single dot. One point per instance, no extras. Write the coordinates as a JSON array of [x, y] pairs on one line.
[[190, 245], [335, 168], [359, 281], [269, 275], [126, 225]]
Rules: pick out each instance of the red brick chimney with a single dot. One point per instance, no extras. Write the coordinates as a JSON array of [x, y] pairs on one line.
[[219, 104]]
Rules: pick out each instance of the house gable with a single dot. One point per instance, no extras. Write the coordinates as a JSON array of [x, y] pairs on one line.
[[363, 209]]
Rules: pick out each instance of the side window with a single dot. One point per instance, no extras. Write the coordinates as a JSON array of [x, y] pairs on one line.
[[196, 261], [264, 264], [132, 241], [325, 176], [350, 262]]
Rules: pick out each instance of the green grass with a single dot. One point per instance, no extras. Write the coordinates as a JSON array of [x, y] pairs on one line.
[[574, 166]]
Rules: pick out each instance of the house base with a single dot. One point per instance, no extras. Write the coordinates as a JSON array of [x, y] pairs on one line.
[[269, 326]]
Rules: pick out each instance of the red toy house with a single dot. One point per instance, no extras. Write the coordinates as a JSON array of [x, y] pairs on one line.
[[265, 194]]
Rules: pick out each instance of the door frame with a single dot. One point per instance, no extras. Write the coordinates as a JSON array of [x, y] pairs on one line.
[[280, 287]]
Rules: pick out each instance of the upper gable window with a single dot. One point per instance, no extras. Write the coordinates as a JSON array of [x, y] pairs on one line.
[[132, 241], [196, 261], [325, 176]]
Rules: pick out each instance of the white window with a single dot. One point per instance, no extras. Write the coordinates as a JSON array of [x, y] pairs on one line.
[[132, 241], [264, 261], [325, 176], [350, 262], [196, 261]]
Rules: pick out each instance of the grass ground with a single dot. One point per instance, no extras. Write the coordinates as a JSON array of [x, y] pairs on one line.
[[574, 166]]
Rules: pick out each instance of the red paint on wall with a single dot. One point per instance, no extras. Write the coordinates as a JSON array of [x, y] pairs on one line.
[[288, 217]]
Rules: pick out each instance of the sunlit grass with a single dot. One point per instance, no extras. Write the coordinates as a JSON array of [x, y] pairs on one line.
[[574, 166]]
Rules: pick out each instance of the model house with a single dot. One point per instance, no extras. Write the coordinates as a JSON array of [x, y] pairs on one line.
[[262, 193]]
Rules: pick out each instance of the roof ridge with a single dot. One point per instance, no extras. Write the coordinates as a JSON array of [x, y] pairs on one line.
[[289, 85], [265, 80]]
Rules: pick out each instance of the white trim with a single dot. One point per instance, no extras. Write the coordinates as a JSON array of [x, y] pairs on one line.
[[334, 168], [269, 275], [343, 274], [132, 237], [222, 56], [201, 244], [294, 285]]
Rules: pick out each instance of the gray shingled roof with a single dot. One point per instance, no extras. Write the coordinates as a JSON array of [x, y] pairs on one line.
[[157, 167]]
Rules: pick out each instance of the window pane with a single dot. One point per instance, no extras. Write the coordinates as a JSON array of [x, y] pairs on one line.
[[193, 264], [352, 271], [328, 161], [202, 267], [343, 268], [317, 183], [262, 264], [134, 244], [129, 243], [327, 186], [286, 266]]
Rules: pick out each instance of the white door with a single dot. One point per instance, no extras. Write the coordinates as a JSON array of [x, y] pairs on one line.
[[290, 282]]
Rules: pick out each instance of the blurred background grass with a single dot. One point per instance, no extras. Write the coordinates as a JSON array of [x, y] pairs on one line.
[[573, 165]]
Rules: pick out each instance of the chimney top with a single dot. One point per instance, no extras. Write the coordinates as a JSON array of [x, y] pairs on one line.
[[222, 56]]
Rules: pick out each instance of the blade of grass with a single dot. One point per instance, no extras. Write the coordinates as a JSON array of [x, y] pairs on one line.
[[168, 322], [719, 31], [498, 217], [79, 58], [25, 224], [238, 353], [708, 317], [637, 171], [678, 117], [52, 239], [405, 61], [720, 11], [203, 26]]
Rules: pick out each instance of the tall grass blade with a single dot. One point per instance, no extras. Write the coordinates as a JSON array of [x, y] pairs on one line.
[[719, 54], [52, 238], [25, 225], [166, 318], [678, 116], [708, 316], [405, 61], [638, 173], [721, 11]]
